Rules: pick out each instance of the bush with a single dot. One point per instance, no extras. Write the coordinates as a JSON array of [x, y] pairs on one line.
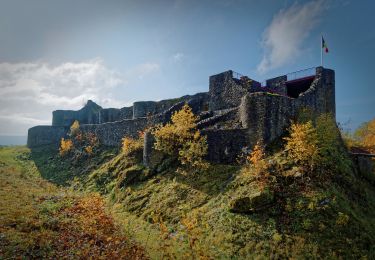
[[302, 144], [257, 160], [80, 143], [74, 129], [65, 146], [130, 145], [181, 139], [319, 147], [365, 135]]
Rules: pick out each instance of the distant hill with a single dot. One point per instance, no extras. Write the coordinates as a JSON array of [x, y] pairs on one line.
[[12, 140]]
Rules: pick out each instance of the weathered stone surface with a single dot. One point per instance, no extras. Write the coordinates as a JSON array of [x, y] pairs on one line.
[[45, 135], [235, 113], [87, 115], [130, 176], [252, 203], [225, 145], [110, 134], [226, 91]]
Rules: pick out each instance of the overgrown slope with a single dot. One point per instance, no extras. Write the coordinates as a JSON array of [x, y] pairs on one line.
[[40, 220], [222, 212]]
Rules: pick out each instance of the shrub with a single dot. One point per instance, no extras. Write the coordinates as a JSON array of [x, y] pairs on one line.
[[181, 139], [302, 144], [65, 146], [74, 129], [365, 135], [130, 145], [257, 159], [80, 143]]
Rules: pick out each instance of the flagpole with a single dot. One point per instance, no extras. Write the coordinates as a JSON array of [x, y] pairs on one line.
[[321, 50]]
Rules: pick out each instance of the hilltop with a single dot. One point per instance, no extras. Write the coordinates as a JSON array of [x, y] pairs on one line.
[[231, 211]]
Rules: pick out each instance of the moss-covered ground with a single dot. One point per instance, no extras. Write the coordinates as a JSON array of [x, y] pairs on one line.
[[173, 213], [40, 220]]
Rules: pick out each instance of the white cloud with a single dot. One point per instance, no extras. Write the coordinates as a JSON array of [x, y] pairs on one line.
[[283, 38], [29, 92], [62, 86]]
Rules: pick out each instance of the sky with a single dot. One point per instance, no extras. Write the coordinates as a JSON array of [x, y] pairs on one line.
[[58, 54]]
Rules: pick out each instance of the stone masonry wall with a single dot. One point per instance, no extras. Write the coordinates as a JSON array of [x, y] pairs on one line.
[[225, 92], [265, 116], [111, 133], [224, 146], [45, 135], [233, 116]]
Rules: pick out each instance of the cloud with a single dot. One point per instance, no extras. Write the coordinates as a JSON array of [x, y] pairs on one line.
[[177, 57], [29, 92], [283, 38]]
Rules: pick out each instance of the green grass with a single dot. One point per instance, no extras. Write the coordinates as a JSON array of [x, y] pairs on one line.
[[40, 220], [174, 214]]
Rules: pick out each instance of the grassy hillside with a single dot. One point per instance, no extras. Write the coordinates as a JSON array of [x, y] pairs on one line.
[[40, 220], [224, 212]]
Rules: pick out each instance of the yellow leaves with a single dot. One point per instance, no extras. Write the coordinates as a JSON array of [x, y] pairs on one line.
[[79, 141], [302, 145], [74, 128], [130, 145], [342, 219], [88, 150], [257, 154], [366, 135], [180, 138], [65, 146]]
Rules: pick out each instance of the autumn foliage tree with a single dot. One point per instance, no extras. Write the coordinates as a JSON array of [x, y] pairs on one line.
[[79, 143], [302, 144], [181, 139], [365, 135], [131, 145], [65, 146], [319, 146], [257, 159]]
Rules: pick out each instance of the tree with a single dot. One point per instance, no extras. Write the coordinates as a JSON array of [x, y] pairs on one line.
[[365, 135], [65, 146], [74, 129], [181, 139], [302, 144]]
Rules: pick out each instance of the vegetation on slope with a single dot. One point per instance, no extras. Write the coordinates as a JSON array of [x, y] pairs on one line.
[[303, 199], [39, 220]]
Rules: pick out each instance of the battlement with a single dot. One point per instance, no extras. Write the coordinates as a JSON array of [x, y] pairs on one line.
[[235, 113]]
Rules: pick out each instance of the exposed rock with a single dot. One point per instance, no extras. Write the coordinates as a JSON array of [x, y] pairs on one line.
[[253, 202]]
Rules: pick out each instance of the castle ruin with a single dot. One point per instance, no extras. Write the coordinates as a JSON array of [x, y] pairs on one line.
[[234, 114]]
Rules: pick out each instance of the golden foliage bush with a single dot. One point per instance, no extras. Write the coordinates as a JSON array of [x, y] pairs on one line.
[[74, 129], [365, 135], [65, 146], [130, 145], [318, 147], [257, 160], [302, 144], [182, 139], [79, 143]]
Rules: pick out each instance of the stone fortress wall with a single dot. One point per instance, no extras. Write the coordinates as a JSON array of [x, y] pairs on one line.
[[234, 114]]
